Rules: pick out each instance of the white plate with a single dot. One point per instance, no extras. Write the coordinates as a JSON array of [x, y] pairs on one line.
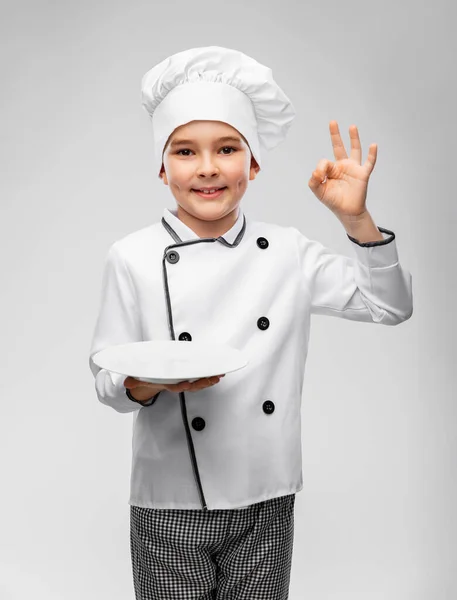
[[170, 361]]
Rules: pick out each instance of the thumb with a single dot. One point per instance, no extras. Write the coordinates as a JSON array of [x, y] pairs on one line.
[[132, 383], [319, 175], [324, 166]]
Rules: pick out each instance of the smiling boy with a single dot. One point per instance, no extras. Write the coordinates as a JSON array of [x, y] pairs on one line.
[[215, 472]]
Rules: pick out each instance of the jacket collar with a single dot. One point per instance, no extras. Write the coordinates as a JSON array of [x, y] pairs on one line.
[[181, 232]]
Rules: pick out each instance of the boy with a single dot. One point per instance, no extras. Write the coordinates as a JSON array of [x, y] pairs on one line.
[[215, 472]]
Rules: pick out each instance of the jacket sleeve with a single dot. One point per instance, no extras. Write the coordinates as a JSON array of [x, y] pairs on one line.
[[117, 323], [372, 286]]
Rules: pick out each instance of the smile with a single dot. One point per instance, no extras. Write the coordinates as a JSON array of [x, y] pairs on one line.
[[212, 195]]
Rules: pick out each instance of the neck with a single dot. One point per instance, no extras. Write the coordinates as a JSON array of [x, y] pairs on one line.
[[206, 228]]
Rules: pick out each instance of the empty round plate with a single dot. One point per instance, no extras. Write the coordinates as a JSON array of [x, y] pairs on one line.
[[170, 361]]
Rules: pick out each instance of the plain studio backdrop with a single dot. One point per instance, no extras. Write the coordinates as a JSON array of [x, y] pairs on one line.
[[377, 516]]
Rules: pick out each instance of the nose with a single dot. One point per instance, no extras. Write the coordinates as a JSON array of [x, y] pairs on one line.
[[206, 167]]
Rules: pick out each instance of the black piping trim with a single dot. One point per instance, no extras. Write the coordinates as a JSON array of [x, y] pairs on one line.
[[376, 242], [150, 403], [221, 239], [182, 398]]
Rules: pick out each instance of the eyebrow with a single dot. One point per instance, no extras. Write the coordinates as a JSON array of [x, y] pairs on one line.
[[227, 138]]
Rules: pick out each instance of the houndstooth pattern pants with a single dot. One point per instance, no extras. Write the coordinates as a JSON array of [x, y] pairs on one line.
[[213, 555]]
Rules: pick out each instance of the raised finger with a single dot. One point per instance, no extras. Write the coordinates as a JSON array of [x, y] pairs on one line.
[[339, 151], [356, 148]]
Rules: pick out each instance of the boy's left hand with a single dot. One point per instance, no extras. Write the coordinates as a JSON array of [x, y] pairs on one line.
[[345, 190]]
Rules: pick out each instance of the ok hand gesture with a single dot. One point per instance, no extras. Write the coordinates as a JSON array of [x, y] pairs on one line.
[[342, 185]]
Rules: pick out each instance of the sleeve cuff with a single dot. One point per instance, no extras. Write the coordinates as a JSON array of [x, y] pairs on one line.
[[390, 235], [379, 253], [149, 403]]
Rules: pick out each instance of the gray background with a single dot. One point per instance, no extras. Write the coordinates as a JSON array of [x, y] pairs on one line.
[[376, 518]]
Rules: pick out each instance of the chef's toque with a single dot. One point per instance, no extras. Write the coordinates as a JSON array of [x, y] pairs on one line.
[[216, 84]]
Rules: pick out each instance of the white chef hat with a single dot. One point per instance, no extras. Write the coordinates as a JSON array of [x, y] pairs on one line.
[[217, 84]]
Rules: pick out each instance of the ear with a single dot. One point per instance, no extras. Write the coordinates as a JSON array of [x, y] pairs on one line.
[[163, 175], [254, 169]]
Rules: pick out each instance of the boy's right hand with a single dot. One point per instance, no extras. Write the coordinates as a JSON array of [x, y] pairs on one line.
[[144, 391]]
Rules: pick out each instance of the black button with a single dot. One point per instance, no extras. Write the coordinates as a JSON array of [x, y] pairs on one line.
[[268, 407], [262, 243], [263, 323], [198, 423], [172, 256], [184, 336]]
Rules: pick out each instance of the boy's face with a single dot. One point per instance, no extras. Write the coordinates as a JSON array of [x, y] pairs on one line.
[[206, 161]]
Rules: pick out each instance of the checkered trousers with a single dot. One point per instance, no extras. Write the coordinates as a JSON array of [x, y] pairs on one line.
[[215, 554]]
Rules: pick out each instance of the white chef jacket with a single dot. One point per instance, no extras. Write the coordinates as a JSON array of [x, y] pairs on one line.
[[254, 288]]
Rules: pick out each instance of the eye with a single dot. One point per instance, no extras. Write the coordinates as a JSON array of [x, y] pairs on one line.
[[223, 148], [229, 148]]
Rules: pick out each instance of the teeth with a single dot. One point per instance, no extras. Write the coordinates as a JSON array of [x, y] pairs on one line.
[[209, 191]]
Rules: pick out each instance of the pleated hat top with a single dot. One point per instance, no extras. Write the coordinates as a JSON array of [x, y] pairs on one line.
[[217, 84]]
